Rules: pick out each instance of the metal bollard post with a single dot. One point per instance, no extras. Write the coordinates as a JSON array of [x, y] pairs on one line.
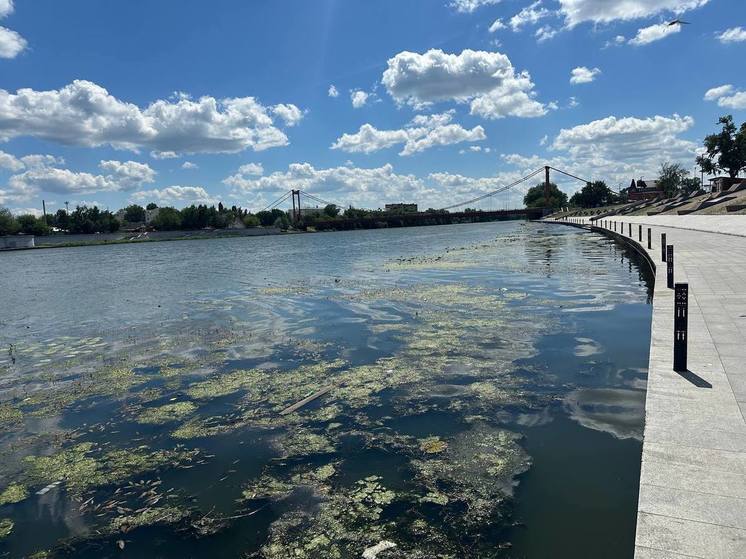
[[680, 326], [650, 239], [669, 266], [630, 230], [639, 233], [663, 247]]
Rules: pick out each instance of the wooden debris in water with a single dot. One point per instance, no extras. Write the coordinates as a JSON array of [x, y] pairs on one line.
[[307, 399]]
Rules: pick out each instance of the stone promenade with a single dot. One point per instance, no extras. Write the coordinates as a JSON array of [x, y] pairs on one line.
[[693, 480]]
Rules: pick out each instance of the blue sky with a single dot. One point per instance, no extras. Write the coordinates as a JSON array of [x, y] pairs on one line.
[[188, 101]]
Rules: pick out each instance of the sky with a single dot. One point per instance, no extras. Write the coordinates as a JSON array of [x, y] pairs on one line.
[[359, 102]]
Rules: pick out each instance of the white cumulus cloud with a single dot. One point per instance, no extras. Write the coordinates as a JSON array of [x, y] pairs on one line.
[[43, 174], [422, 133], [497, 25], [291, 114], [83, 113], [358, 98], [9, 161], [188, 165], [605, 11], [581, 74], [6, 8], [717, 92], [333, 92], [468, 6], [727, 96], [733, 35], [486, 80], [175, 195], [653, 33], [251, 169], [11, 43], [530, 15]]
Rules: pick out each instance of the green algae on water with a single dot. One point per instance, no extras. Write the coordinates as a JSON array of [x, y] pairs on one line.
[[6, 527], [14, 493], [166, 413], [10, 415], [148, 517], [84, 465]]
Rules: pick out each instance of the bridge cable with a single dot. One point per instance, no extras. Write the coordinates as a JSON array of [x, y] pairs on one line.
[[280, 200], [497, 191]]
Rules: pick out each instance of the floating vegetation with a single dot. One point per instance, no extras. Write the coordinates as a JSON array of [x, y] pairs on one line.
[[14, 493], [6, 527], [478, 469], [147, 517], [10, 415], [302, 442], [225, 384], [107, 381], [344, 525], [167, 413], [84, 465], [432, 445]]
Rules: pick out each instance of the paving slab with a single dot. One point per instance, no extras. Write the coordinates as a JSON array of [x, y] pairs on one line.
[[693, 477]]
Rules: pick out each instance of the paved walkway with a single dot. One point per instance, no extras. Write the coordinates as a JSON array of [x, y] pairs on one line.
[[693, 480]]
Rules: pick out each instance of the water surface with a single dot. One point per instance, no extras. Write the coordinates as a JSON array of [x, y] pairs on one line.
[[483, 395]]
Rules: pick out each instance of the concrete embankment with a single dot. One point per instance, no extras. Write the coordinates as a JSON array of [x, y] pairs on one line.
[[693, 480]]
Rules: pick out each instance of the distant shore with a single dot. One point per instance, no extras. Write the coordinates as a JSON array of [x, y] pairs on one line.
[[124, 237]]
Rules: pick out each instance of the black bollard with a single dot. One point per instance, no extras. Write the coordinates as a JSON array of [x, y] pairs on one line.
[[639, 233], [669, 266], [650, 239], [663, 247], [680, 326], [630, 230]]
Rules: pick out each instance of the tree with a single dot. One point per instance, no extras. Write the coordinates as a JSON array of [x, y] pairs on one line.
[[251, 220], [8, 223], [151, 206], [671, 178], [32, 225], [168, 219], [726, 150], [534, 198], [62, 220], [593, 195], [134, 214], [331, 210], [690, 184], [92, 220]]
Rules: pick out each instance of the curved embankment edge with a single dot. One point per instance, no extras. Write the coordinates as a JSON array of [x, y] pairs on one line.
[[619, 237]]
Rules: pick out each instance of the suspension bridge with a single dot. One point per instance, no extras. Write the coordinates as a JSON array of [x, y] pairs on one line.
[[444, 214]]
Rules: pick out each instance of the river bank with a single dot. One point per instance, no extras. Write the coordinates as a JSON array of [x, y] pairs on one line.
[[692, 485], [98, 239]]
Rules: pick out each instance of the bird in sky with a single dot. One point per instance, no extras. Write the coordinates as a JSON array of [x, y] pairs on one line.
[[678, 22]]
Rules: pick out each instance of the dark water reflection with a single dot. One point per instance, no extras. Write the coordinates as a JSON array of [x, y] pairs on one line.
[[485, 395]]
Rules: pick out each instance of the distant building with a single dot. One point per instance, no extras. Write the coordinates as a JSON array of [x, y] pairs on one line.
[[721, 184], [150, 215], [401, 208], [642, 190]]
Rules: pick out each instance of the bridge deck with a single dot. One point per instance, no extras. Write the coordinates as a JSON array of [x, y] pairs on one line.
[[693, 481]]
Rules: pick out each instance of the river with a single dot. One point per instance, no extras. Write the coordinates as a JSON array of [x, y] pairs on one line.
[[483, 395]]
